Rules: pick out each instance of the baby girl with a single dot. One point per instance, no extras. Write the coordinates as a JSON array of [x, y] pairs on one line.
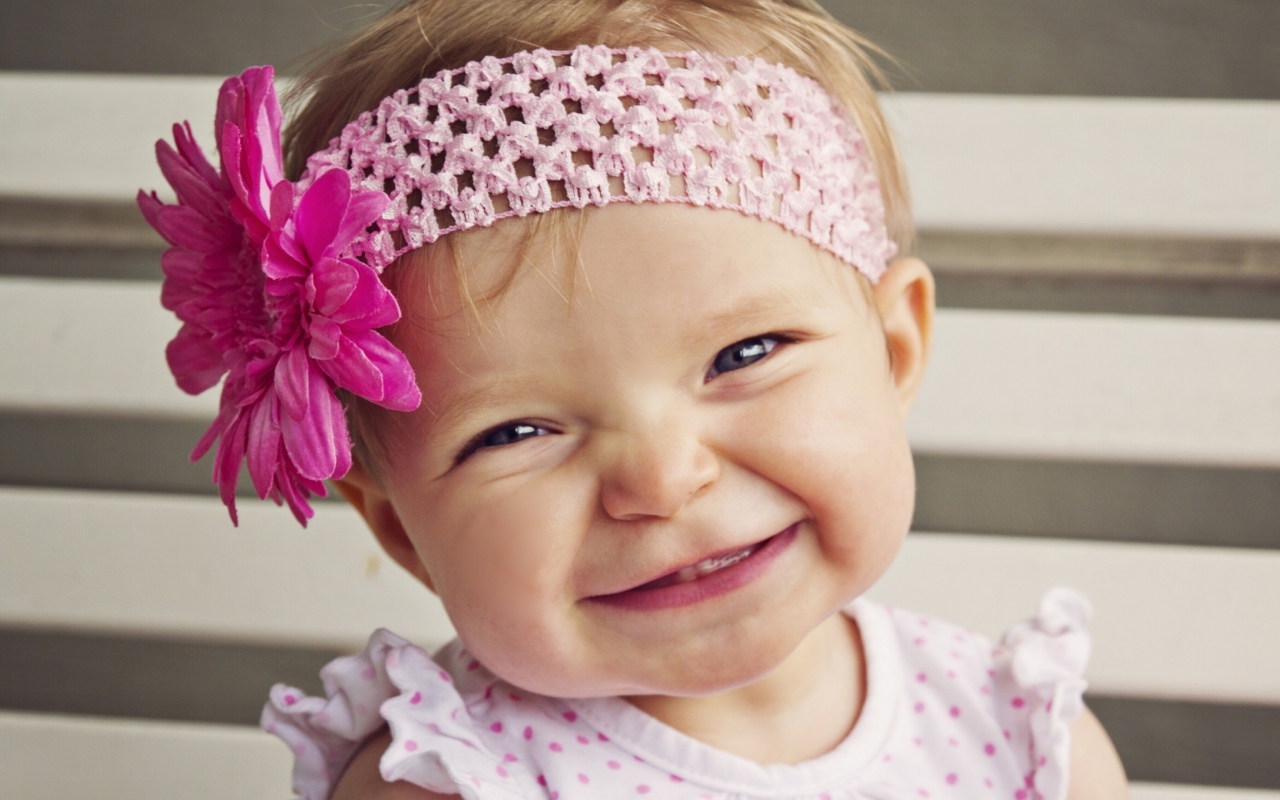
[[591, 309]]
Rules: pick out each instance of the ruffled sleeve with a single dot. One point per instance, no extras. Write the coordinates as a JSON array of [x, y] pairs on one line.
[[434, 745], [1045, 657]]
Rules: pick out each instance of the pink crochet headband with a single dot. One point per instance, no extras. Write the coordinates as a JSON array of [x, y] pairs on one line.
[[276, 283]]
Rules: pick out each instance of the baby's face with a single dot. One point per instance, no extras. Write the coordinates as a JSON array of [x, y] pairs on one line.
[[660, 477]]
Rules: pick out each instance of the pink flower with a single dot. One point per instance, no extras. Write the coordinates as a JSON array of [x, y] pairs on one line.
[[261, 277]]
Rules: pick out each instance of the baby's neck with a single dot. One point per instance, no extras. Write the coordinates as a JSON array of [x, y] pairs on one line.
[[797, 712]]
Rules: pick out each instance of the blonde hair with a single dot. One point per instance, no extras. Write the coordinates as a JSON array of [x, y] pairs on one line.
[[423, 37]]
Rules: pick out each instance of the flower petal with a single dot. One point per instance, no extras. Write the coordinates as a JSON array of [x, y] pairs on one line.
[[195, 363], [293, 384], [354, 371], [226, 464], [320, 212], [364, 208], [325, 336], [399, 387], [334, 281], [318, 444], [264, 442], [371, 304]]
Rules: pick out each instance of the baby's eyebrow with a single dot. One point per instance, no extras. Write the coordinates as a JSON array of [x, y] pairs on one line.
[[487, 394], [752, 314]]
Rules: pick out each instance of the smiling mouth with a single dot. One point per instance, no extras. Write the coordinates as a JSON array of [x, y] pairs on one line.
[[703, 568], [710, 577]]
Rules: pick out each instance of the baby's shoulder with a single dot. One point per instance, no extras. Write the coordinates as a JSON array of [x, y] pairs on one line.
[[443, 716], [1007, 706]]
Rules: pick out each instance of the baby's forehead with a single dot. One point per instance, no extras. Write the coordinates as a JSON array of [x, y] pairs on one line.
[[703, 260]]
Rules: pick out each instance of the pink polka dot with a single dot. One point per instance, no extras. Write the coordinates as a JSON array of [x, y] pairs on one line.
[[888, 757], [952, 778], [475, 781], [985, 689], [1021, 794], [955, 711], [417, 698], [924, 792], [488, 693], [677, 779], [570, 716], [1008, 736], [602, 737], [290, 699], [502, 771], [918, 742], [496, 727], [583, 740], [528, 733], [922, 677], [988, 783], [583, 778], [556, 748], [473, 665], [642, 789], [989, 749], [991, 673], [555, 796], [1018, 702], [919, 640], [951, 673], [411, 745], [444, 676], [515, 697], [614, 765], [368, 674], [542, 780], [953, 741], [509, 757], [919, 708], [638, 758]]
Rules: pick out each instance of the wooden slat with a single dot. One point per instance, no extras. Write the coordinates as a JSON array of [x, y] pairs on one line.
[[163, 564], [991, 162], [1132, 165], [1172, 621], [117, 158], [134, 760], [91, 345], [1084, 386], [54, 758], [1101, 387], [1169, 791]]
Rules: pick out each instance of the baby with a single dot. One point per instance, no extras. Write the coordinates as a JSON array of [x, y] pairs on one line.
[[635, 412]]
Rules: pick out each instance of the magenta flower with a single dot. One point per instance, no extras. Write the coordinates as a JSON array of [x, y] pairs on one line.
[[261, 277]]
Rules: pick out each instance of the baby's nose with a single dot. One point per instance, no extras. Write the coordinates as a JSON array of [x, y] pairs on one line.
[[654, 470]]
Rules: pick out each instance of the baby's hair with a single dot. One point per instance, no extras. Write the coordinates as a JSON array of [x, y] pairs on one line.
[[423, 37]]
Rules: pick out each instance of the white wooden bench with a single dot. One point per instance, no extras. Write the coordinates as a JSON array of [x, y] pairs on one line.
[[1180, 622]]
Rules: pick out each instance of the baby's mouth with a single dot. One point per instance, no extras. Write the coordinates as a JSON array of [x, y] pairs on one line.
[[703, 568], [711, 577]]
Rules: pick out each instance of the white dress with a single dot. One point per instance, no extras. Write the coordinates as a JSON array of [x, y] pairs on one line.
[[946, 715]]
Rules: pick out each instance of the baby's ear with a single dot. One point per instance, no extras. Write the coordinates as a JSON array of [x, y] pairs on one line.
[[366, 495], [904, 296]]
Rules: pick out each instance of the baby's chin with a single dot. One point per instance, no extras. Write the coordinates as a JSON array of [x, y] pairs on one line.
[[697, 668]]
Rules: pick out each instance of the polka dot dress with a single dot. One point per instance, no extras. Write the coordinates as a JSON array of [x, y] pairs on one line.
[[947, 715]]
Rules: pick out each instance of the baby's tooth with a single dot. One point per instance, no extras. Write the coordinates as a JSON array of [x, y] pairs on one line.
[[687, 574]]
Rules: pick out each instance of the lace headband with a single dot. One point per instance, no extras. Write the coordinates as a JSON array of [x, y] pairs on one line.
[[276, 283]]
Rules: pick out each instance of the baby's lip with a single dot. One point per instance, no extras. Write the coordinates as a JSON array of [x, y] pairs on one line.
[[669, 573]]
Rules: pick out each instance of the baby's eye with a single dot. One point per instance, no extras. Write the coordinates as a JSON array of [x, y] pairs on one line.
[[743, 354], [505, 434]]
